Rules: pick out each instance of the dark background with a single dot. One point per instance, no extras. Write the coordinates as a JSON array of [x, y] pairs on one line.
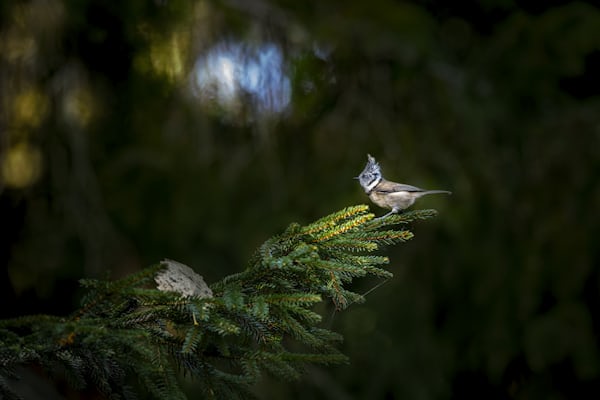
[[114, 154]]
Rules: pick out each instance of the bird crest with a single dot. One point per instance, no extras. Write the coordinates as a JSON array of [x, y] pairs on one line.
[[371, 175]]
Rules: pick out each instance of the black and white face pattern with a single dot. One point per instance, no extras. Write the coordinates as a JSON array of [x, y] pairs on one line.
[[371, 175]]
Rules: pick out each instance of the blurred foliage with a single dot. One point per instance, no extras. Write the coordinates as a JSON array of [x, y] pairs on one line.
[[113, 157]]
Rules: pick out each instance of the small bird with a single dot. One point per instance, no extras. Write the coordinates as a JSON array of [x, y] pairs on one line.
[[388, 194]]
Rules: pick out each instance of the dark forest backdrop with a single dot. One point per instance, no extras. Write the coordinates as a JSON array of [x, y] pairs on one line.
[[194, 130]]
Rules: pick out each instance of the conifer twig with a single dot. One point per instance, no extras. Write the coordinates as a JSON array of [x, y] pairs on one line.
[[129, 336]]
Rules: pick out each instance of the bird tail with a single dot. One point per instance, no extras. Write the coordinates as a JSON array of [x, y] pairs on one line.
[[436, 191]]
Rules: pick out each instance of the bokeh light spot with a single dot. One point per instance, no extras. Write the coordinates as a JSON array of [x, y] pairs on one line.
[[165, 58], [78, 106], [30, 108], [230, 73], [21, 166]]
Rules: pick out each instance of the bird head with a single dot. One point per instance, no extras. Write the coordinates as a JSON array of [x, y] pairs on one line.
[[371, 175]]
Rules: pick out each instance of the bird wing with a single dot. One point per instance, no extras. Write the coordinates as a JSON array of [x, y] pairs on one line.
[[391, 187]]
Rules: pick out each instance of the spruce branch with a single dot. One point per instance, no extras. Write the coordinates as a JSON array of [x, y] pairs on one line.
[[131, 332]]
